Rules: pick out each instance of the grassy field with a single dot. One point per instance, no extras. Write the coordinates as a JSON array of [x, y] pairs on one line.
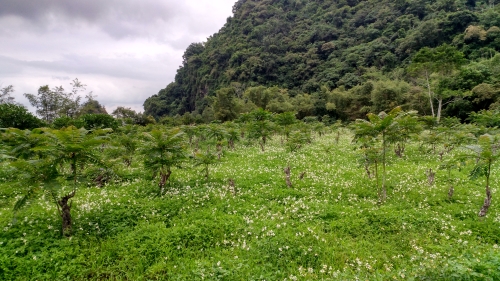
[[328, 226]]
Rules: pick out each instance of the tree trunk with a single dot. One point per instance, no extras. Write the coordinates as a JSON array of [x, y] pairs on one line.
[[367, 167], [430, 177], [287, 176], [487, 200], [487, 203], [399, 150], [440, 105], [450, 192], [219, 150], [232, 187], [430, 93], [66, 213], [376, 178], [164, 178], [384, 192]]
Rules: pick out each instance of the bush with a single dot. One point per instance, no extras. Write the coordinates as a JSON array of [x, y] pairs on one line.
[[99, 121], [63, 122], [17, 116]]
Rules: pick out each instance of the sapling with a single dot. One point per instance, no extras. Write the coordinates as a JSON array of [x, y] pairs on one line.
[[163, 150], [486, 152], [205, 160], [261, 127], [381, 126], [216, 134], [453, 163], [62, 149]]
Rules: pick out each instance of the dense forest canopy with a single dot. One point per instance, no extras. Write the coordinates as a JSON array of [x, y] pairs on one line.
[[341, 58]]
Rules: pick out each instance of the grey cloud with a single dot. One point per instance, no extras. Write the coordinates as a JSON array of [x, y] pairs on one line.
[[122, 68], [118, 18]]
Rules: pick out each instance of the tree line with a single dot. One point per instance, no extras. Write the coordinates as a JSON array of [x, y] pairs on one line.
[[57, 108]]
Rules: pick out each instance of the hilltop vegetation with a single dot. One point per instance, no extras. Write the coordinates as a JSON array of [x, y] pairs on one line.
[[336, 58]]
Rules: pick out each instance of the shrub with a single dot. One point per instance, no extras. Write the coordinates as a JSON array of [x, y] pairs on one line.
[[99, 121], [17, 116]]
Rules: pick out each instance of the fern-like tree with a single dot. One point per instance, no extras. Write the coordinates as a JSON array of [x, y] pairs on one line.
[[63, 157], [123, 147], [382, 126], [190, 131], [261, 127], [486, 152], [232, 134], [163, 150], [21, 143], [216, 133], [407, 127], [205, 159], [285, 121]]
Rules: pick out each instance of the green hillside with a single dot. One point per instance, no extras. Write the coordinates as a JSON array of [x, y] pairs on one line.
[[316, 50]]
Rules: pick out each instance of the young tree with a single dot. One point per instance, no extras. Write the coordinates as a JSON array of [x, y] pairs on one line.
[[407, 126], [383, 126], [486, 152], [124, 146], [260, 127], [217, 134], [163, 150], [285, 120], [232, 134], [65, 154], [205, 159]]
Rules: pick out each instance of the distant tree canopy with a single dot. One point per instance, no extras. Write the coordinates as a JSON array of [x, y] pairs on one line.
[[17, 116], [332, 57], [52, 103]]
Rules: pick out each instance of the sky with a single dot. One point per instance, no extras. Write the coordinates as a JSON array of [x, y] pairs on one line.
[[123, 50]]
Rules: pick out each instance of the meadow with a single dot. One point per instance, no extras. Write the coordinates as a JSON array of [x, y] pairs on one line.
[[245, 223]]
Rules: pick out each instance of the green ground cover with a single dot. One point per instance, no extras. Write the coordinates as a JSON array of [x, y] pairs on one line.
[[328, 226]]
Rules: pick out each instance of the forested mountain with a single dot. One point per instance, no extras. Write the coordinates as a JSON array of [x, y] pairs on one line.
[[341, 58]]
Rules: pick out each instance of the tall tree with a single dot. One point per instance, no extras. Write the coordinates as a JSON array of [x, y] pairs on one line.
[[437, 62], [91, 106], [47, 103], [224, 104], [5, 95]]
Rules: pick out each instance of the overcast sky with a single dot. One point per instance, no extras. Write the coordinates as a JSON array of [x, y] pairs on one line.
[[123, 50]]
